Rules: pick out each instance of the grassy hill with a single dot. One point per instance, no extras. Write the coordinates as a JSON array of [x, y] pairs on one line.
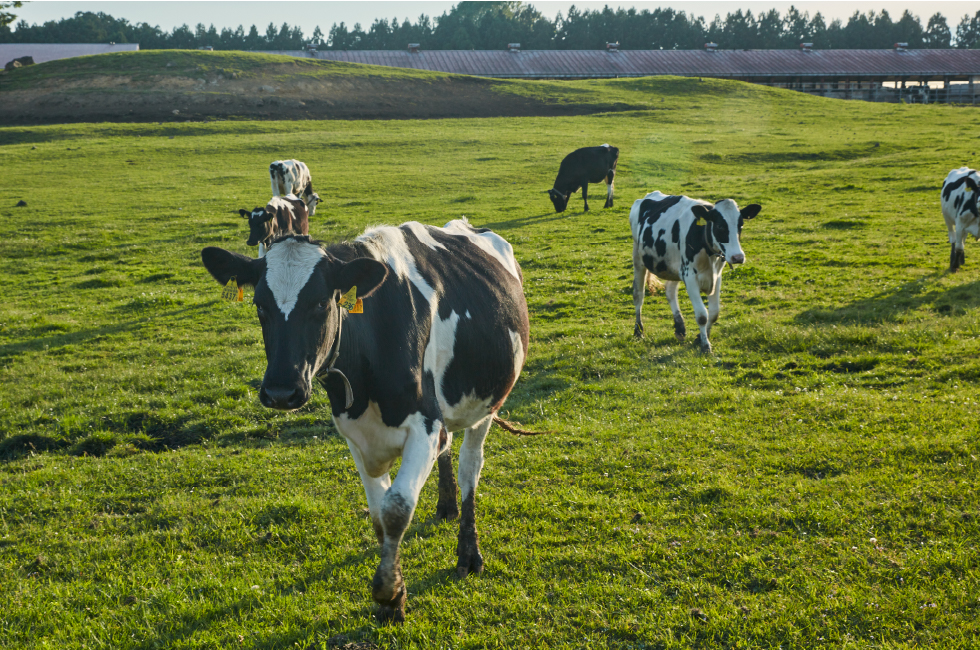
[[181, 85], [813, 483]]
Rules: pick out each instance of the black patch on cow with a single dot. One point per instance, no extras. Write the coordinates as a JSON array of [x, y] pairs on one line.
[[647, 236], [661, 245], [651, 210], [648, 262], [675, 232], [719, 228], [694, 241], [661, 267], [952, 186]]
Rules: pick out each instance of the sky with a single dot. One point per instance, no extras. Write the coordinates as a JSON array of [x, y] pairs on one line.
[[168, 15]]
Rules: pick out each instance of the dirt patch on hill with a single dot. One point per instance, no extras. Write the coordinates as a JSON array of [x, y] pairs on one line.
[[274, 95]]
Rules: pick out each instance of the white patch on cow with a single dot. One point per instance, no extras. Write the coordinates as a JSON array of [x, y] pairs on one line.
[[439, 351], [392, 249], [289, 265], [421, 233], [378, 443], [471, 456], [468, 314], [604, 144], [490, 242], [729, 210], [518, 347]]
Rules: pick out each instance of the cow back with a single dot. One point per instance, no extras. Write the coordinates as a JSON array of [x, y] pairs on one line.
[[450, 324]]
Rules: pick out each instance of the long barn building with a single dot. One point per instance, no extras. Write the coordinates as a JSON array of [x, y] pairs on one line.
[[876, 75]]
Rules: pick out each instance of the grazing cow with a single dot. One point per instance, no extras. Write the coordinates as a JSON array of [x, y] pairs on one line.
[[293, 177], [439, 345], [680, 239], [285, 215], [581, 167], [959, 202]]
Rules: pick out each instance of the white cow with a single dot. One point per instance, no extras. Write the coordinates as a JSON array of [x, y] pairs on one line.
[[293, 177], [680, 239], [959, 203]]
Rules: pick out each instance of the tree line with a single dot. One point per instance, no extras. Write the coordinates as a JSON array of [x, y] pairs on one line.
[[492, 25]]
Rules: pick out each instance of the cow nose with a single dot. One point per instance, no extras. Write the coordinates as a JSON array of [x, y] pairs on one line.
[[738, 259], [285, 399]]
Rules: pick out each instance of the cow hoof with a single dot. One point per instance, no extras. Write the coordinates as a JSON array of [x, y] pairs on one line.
[[608, 204], [447, 511], [390, 595], [638, 332], [469, 563], [703, 344]]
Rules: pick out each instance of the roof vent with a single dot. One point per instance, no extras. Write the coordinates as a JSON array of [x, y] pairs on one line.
[[613, 47], [710, 47], [806, 47], [514, 47], [413, 48], [901, 47]]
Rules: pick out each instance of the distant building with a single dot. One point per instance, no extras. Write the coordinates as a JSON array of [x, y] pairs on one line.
[[850, 74], [42, 52]]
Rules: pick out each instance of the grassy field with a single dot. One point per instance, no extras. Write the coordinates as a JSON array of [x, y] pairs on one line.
[[811, 484]]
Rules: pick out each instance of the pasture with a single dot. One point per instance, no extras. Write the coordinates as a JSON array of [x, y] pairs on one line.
[[813, 483]]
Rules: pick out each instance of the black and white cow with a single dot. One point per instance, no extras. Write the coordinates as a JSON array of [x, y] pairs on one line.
[[959, 202], [439, 345], [581, 167], [293, 177], [680, 239], [282, 215]]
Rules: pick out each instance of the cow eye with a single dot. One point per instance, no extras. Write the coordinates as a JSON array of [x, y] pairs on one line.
[[323, 304], [260, 310]]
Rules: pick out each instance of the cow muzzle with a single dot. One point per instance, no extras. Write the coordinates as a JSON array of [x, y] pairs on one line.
[[284, 398], [737, 259]]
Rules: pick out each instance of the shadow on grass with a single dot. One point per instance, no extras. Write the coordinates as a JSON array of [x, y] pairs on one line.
[[81, 336], [892, 304], [525, 221]]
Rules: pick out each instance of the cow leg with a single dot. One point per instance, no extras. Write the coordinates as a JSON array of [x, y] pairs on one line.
[[375, 488], [610, 177], [639, 290], [585, 196], [470, 464], [261, 249], [447, 508], [670, 289], [714, 303], [397, 508], [700, 313]]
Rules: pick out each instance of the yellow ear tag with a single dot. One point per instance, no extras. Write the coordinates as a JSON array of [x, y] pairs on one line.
[[699, 222], [232, 291], [351, 302], [967, 189]]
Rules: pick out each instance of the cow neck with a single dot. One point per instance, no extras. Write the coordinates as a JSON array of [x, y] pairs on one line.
[[332, 359], [709, 240]]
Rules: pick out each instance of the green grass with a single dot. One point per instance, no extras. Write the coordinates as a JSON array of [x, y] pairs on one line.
[[811, 484]]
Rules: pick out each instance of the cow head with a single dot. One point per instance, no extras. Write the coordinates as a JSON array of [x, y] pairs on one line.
[[726, 226], [261, 225], [558, 199], [297, 286]]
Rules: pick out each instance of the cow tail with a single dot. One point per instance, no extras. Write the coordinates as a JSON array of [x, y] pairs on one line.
[[514, 428]]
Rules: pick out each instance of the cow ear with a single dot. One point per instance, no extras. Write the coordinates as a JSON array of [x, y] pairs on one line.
[[245, 214], [364, 273], [701, 211], [269, 216], [223, 265], [749, 211]]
